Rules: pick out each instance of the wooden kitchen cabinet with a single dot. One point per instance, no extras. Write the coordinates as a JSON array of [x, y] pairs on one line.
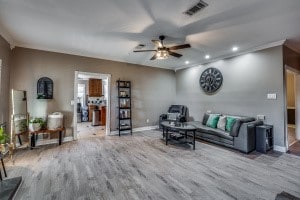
[[103, 116], [95, 87]]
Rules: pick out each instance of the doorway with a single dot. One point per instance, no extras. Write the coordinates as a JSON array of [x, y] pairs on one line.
[[292, 109], [91, 104]]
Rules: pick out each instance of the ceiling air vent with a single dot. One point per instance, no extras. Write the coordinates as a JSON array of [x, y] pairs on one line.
[[140, 46], [196, 8]]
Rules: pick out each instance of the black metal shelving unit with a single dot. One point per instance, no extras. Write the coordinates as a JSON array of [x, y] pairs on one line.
[[124, 106]]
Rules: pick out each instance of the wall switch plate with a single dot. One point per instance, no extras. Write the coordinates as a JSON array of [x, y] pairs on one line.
[[209, 111], [271, 96], [72, 102], [0, 63], [147, 121], [261, 117]]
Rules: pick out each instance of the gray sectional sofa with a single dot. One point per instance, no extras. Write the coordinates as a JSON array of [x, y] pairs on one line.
[[241, 137]]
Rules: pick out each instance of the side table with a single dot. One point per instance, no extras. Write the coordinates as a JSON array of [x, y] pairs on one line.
[[34, 134]]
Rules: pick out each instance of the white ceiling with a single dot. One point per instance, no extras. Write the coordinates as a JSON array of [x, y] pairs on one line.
[[112, 29]]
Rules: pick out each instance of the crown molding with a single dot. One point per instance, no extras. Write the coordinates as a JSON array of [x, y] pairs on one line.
[[250, 50], [5, 34]]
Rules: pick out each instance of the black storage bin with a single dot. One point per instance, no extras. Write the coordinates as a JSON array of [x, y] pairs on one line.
[[264, 138]]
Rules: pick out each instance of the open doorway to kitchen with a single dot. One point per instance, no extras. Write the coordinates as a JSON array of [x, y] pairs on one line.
[[292, 103], [91, 104]]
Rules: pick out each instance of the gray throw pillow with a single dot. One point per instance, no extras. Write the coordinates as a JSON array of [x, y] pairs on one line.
[[235, 128], [205, 118], [222, 123]]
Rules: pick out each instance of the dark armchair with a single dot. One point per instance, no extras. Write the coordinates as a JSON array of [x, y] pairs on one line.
[[175, 113]]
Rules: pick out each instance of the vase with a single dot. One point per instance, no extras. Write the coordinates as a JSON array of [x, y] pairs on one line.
[[34, 127]]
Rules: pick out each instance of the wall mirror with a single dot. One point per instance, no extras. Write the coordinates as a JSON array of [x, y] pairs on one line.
[[19, 118]]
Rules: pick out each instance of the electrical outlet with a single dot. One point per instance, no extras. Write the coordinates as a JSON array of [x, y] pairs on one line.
[[147, 121], [209, 111], [261, 117], [271, 96]]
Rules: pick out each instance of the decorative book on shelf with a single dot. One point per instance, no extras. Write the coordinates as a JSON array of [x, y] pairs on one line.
[[124, 107]]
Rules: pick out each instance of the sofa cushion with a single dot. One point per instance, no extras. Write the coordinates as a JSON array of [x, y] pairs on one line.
[[220, 133], [229, 123], [222, 123], [211, 131], [205, 118], [212, 120], [215, 139]]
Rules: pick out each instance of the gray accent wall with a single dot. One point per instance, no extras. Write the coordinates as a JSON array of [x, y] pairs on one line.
[[153, 89], [247, 79], [5, 56]]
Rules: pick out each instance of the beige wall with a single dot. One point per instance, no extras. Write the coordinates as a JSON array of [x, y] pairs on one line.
[[5, 56], [290, 89], [153, 89]]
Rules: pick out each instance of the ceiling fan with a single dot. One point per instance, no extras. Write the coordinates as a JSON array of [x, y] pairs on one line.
[[163, 52]]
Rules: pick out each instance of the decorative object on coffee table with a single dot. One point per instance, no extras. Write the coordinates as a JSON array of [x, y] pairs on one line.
[[211, 80]]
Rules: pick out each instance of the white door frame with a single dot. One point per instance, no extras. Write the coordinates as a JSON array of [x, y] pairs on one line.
[[288, 68], [93, 75]]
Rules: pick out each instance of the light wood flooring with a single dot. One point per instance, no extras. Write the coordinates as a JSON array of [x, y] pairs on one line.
[[86, 130], [143, 167], [292, 135]]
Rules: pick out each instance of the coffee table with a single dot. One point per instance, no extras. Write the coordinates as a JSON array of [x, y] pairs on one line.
[[178, 127]]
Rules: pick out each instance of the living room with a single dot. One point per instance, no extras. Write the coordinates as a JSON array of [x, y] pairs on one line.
[[250, 74]]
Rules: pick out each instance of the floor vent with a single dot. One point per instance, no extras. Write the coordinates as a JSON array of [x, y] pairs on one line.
[[196, 8]]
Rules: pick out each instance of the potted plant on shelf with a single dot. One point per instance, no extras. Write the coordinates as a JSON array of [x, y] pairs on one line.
[[36, 124], [3, 139]]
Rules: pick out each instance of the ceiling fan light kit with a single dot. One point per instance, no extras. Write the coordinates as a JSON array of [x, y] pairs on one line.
[[163, 52]]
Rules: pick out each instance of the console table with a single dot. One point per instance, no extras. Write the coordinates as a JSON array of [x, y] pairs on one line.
[[33, 135], [178, 126]]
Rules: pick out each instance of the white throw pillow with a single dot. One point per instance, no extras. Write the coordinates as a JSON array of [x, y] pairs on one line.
[[173, 116], [222, 123]]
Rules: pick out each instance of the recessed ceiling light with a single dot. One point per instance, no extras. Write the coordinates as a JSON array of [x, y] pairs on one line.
[[187, 62], [207, 56], [235, 48]]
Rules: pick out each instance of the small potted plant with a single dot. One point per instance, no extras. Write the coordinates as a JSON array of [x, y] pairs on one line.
[[3, 139], [36, 124]]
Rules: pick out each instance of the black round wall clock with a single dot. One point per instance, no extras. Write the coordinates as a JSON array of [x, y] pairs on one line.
[[211, 80]]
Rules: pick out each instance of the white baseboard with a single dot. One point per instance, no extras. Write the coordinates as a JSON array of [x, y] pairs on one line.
[[145, 128], [280, 149]]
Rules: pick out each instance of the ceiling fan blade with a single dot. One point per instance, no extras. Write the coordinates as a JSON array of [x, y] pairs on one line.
[[183, 46], [157, 43], [153, 57], [177, 55], [143, 50]]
